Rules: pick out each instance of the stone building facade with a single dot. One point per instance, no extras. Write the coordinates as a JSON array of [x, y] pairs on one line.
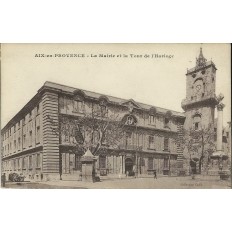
[[199, 106], [34, 145], [42, 141], [200, 102]]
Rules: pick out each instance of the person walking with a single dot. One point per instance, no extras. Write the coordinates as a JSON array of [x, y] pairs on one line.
[[155, 176], [127, 173]]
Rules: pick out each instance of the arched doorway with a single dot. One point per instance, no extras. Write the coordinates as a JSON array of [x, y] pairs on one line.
[[129, 165]]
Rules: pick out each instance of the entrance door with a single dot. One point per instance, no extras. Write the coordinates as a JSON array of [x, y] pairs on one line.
[[193, 167], [129, 166]]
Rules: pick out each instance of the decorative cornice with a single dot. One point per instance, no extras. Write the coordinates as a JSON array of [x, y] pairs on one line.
[[195, 69], [205, 101], [28, 151], [45, 88]]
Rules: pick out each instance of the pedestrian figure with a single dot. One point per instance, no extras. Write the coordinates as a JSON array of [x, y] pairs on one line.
[[127, 173], [155, 176]]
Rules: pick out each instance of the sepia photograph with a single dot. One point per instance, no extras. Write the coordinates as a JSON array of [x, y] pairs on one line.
[[116, 116]]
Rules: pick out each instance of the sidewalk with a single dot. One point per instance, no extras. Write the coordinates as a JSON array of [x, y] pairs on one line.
[[163, 182]]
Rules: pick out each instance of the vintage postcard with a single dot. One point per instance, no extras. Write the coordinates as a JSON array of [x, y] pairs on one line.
[[118, 116]]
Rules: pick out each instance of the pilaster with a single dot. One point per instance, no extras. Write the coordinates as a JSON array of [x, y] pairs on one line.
[[50, 134]]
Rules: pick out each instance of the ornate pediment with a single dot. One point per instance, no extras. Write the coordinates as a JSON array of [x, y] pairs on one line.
[[79, 95], [131, 104], [103, 100]]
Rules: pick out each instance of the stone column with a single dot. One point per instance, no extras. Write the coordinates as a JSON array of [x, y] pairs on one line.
[[122, 159], [220, 107], [229, 151]]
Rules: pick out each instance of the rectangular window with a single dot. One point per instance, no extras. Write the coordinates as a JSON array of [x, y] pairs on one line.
[[23, 121], [19, 143], [150, 163], [166, 144], [24, 162], [20, 163], [24, 140], [37, 134], [66, 136], [38, 161], [166, 122], [151, 142], [14, 128], [14, 144], [29, 116], [95, 137], [38, 109], [165, 163], [30, 162], [76, 109], [30, 138], [78, 162], [61, 102], [17, 163], [152, 120], [102, 162], [103, 111], [78, 106], [196, 125], [128, 140]]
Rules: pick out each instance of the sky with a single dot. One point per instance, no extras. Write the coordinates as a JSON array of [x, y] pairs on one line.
[[129, 71]]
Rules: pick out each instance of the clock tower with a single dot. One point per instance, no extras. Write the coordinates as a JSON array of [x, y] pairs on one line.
[[199, 104]]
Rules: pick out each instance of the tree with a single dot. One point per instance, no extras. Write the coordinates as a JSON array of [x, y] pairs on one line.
[[96, 130], [200, 143]]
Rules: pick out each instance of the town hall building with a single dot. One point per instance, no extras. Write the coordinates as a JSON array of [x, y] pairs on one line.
[[46, 139]]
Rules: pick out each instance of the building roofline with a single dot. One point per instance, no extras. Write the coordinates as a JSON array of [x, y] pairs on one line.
[[207, 64], [25, 108], [52, 86], [121, 100]]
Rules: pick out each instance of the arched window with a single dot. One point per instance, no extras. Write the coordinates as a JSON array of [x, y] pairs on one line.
[[197, 121], [130, 120]]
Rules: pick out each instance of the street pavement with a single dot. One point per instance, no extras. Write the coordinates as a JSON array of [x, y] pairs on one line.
[[117, 182]]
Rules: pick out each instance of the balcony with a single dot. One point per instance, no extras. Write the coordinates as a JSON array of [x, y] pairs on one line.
[[208, 99]]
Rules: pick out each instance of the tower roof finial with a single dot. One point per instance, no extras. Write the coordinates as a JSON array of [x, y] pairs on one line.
[[200, 61]]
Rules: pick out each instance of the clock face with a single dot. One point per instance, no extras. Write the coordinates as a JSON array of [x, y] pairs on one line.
[[198, 87]]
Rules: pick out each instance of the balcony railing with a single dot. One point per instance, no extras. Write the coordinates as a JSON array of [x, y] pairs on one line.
[[186, 102]]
